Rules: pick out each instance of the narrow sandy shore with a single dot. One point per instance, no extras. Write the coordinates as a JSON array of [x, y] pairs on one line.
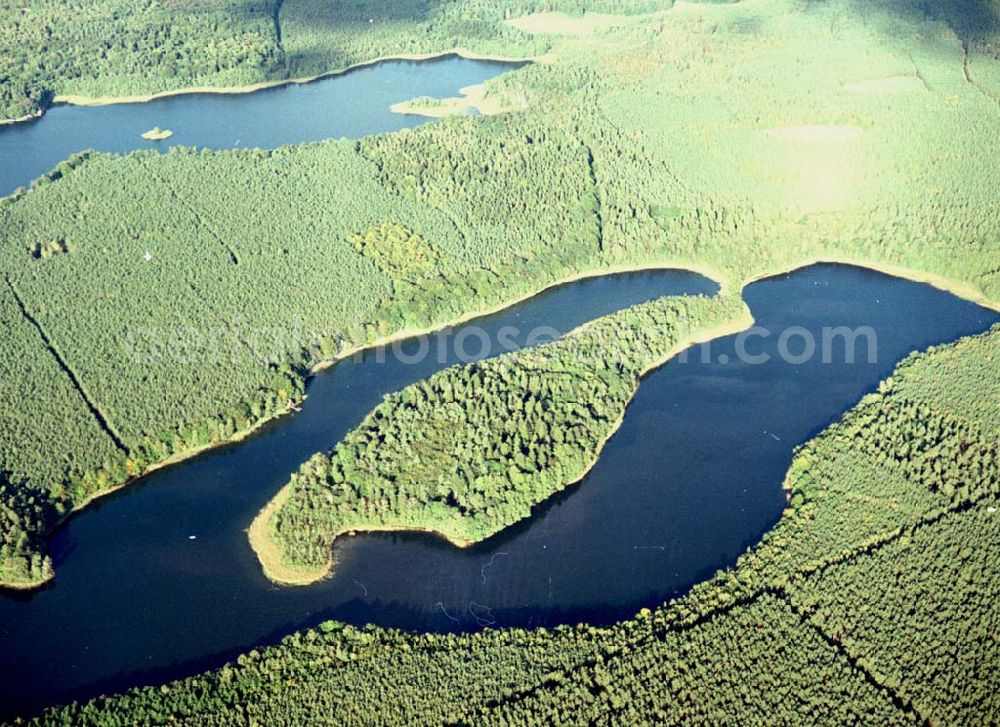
[[22, 119], [470, 98], [269, 553], [271, 565], [958, 288], [78, 100]]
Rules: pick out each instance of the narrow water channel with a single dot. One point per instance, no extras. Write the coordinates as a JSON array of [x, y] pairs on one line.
[[352, 104], [159, 581]]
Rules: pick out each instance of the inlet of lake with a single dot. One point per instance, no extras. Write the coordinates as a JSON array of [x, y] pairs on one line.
[[351, 104], [692, 478], [158, 580]]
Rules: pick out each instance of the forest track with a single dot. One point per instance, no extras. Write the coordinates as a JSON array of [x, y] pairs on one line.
[[277, 22], [898, 701], [599, 211], [970, 79], [95, 411], [199, 220]]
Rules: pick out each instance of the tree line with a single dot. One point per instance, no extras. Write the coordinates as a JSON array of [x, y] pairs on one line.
[[134, 48], [472, 449], [870, 601], [261, 266]]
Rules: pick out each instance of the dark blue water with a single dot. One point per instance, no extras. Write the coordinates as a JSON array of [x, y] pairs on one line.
[[133, 592], [692, 478], [353, 104]]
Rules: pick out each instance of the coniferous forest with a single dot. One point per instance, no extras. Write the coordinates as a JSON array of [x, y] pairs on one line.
[[605, 197], [469, 451], [121, 48], [159, 303], [870, 601]]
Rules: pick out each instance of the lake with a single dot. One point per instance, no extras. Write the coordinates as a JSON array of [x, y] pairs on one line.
[[691, 479], [352, 104], [158, 580]]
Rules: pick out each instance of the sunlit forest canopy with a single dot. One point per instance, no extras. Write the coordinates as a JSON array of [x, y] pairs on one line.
[[129, 48], [473, 449], [870, 602], [739, 138]]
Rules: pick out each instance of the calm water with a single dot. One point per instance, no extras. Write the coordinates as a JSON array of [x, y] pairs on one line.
[[353, 104], [691, 479]]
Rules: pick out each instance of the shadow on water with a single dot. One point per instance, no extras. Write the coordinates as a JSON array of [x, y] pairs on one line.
[[692, 478]]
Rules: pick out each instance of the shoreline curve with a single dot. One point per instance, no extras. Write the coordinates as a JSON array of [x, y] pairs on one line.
[[280, 573], [82, 100], [961, 289], [269, 553]]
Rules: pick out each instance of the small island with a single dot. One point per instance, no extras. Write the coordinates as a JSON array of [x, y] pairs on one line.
[[157, 134]]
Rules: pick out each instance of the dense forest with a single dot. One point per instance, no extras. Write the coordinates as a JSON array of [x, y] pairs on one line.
[[32, 383], [130, 47], [471, 450], [265, 263], [742, 140], [114, 48], [870, 601]]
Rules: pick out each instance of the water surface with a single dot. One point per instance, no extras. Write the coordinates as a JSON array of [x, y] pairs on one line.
[[691, 479], [158, 580], [134, 592], [352, 104]]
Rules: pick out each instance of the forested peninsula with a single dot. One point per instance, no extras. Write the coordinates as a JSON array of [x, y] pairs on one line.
[[835, 617], [153, 305], [471, 450], [265, 264]]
